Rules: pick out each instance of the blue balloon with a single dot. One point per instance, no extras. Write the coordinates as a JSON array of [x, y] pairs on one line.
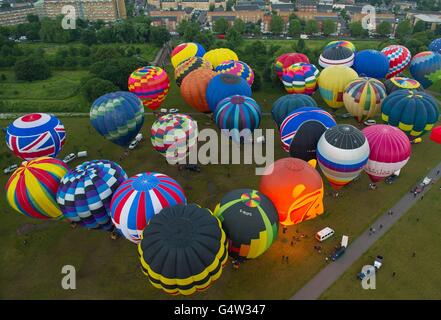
[[371, 63], [223, 86], [288, 103], [435, 45]]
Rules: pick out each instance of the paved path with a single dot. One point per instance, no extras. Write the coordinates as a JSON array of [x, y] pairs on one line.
[[328, 275]]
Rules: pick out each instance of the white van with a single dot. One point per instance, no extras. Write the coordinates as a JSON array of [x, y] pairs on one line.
[[324, 234], [82, 154]]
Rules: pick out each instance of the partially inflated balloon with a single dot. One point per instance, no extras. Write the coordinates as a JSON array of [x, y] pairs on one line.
[[194, 89], [118, 116], [286, 60], [151, 85], [184, 51], [336, 56], [399, 58], [435, 135], [426, 68], [32, 188], [288, 103], [35, 135], [399, 83], [300, 78], [332, 83], [188, 66], [371, 63], [223, 86], [217, 56], [237, 68]]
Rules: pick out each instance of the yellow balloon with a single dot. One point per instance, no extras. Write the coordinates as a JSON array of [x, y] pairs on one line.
[[332, 83], [217, 56]]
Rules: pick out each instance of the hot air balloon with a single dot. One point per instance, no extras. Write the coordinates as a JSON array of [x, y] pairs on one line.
[[237, 68], [435, 45], [188, 66], [371, 63], [426, 68], [118, 116], [398, 57], [302, 129], [435, 135], [288, 103], [217, 56], [332, 83], [223, 86], [414, 112], [35, 135], [173, 135], [32, 188], [85, 193], [184, 51], [194, 89], [183, 250], [250, 221], [340, 43], [390, 151], [342, 152], [295, 188], [286, 60], [300, 78], [150, 84], [139, 198], [238, 113], [336, 56], [363, 98], [398, 83]]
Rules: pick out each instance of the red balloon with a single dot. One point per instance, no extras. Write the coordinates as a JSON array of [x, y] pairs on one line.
[[435, 135], [288, 59]]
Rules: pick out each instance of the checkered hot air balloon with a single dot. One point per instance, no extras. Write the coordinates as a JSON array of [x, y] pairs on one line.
[[85, 193], [173, 135], [139, 198], [426, 68], [32, 188], [435, 45], [151, 85], [300, 78], [399, 58], [190, 65], [237, 68], [35, 135]]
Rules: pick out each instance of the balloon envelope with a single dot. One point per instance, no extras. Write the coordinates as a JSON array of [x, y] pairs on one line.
[[223, 86], [336, 56], [435, 135], [184, 51], [217, 56], [194, 89], [398, 57], [435, 45], [237, 68], [300, 78], [288, 103], [341, 43], [426, 68], [188, 66], [332, 82], [288, 59], [399, 83]]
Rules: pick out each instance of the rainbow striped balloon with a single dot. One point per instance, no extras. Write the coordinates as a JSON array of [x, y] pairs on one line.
[[184, 51], [151, 85], [237, 68], [300, 78], [139, 198], [32, 188], [341, 43]]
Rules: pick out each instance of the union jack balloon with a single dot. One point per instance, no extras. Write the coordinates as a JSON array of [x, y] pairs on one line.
[[35, 135]]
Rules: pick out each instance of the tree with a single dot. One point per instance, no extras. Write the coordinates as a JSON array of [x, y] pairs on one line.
[[404, 29], [419, 26], [88, 37], [301, 46], [206, 39], [32, 68], [51, 31], [329, 27], [276, 24], [230, 4], [220, 26], [384, 28], [239, 25], [32, 18], [96, 87], [234, 38], [356, 29], [311, 27], [159, 35], [211, 7], [105, 35], [257, 83], [295, 28]]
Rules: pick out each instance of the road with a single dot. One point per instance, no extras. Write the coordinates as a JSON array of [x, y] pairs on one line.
[[327, 276]]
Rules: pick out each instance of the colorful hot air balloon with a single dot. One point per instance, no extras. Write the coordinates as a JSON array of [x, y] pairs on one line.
[[288, 103], [118, 116], [223, 86], [341, 43], [426, 68], [85, 193], [363, 98], [184, 51], [139, 198], [35, 135], [238, 113], [237, 68], [300, 78], [295, 188], [390, 151], [286, 60], [414, 112], [250, 221], [398, 57], [183, 250], [302, 129], [217, 56], [435, 135], [32, 188], [173, 135], [332, 83], [435, 45], [342, 152], [398, 83], [188, 66], [371, 63], [194, 89], [336, 56], [150, 84]]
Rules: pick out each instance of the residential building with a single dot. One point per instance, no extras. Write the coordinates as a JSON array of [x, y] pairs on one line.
[[16, 15], [195, 4], [168, 19], [306, 5]]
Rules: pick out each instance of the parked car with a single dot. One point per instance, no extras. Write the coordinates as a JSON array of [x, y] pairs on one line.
[[346, 115], [378, 262], [173, 110], [69, 157], [133, 144], [370, 122], [10, 169], [82, 154], [338, 253]]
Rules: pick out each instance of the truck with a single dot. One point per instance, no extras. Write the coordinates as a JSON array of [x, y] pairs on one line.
[[344, 241], [378, 262], [338, 253]]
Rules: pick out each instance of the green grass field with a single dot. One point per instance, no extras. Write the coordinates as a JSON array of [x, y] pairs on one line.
[[416, 277]]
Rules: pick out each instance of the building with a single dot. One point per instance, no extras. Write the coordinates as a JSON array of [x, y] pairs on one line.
[[306, 5], [324, 8], [431, 20], [195, 4], [379, 18], [230, 16], [16, 15], [405, 5], [280, 7], [168, 19]]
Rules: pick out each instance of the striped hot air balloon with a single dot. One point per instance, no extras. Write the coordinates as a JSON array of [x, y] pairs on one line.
[[194, 89], [85, 193], [426, 68], [288, 103], [32, 188], [35, 135], [184, 51], [300, 78], [188, 66], [250, 221], [223, 86], [341, 43], [342, 152], [237, 68], [151, 85], [139, 198], [363, 97], [399, 83], [336, 56], [399, 58], [217, 56], [288, 59]]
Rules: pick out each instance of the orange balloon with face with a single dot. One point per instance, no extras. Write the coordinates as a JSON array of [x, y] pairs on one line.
[[295, 188]]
